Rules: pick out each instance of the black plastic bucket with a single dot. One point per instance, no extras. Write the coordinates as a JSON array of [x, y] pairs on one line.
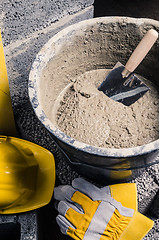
[[93, 36]]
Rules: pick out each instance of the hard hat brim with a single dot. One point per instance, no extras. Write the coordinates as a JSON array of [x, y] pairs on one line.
[[45, 177]]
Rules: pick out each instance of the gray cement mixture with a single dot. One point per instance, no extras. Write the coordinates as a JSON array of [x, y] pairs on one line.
[[88, 115]]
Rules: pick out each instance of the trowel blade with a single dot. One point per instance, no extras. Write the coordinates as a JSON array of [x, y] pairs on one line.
[[125, 90]]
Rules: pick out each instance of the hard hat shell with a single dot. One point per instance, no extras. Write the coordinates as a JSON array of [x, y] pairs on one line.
[[27, 175], [6, 127]]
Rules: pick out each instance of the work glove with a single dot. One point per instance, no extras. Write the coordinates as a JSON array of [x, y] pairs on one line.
[[91, 213]]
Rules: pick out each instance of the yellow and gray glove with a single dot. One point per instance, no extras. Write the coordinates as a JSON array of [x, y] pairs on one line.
[[91, 213]]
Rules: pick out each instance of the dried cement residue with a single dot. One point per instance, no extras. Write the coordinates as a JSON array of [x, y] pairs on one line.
[[88, 115]]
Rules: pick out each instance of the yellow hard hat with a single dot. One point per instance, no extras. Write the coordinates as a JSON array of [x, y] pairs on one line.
[[27, 175]]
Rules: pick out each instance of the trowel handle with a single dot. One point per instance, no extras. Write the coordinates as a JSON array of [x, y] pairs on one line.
[[140, 51]]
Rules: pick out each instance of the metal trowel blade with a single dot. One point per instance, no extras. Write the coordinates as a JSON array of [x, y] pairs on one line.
[[125, 90]]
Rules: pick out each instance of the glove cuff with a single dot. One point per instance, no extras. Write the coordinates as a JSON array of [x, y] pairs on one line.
[[138, 227], [126, 194]]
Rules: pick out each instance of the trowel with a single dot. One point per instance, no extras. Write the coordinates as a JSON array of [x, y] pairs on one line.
[[121, 84]]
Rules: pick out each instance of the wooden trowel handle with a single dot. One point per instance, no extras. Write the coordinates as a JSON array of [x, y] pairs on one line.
[[140, 51]]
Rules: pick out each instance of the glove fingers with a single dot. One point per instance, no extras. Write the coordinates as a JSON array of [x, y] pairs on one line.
[[63, 207], [64, 224], [63, 193], [70, 212], [66, 192]]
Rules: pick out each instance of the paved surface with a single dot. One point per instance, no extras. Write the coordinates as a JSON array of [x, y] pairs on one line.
[[26, 26], [23, 40]]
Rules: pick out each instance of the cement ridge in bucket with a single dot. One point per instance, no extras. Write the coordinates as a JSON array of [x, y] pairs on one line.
[[57, 102]]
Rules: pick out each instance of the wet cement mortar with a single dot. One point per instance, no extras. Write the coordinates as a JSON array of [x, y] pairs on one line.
[[69, 96], [88, 115]]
